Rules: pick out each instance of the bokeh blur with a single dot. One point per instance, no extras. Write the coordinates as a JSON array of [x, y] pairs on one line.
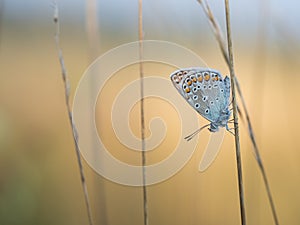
[[39, 176]]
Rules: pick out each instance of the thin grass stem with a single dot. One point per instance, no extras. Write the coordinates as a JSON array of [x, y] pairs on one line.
[[70, 116], [235, 117], [219, 36], [142, 112]]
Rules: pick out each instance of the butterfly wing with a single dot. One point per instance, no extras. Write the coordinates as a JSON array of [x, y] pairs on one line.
[[219, 98], [204, 89]]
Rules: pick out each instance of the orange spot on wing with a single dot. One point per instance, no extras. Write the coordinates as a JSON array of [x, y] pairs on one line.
[[200, 78], [187, 90], [206, 76]]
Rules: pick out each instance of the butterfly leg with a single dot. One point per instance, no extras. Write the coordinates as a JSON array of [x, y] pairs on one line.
[[231, 121], [230, 129], [239, 112]]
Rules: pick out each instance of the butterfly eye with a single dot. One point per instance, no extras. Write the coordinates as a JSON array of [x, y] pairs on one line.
[[215, 86], [209, 86], [195, 89], [211, 102], [198, 86], [195, 97], [217, 99], [222, 90], [204, 98], [206, 111], [189, 82], [184, 72], [204, 87], [197, 105]]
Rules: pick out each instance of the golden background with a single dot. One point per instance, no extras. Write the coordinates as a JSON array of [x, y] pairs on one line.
[[39, 176]]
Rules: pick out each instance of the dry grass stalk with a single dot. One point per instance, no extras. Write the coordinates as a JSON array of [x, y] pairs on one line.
[[70, 116], [218, 34], [145, 201], [235, 116]]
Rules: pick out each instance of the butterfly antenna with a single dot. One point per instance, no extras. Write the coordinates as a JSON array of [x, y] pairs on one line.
[[191, 136]]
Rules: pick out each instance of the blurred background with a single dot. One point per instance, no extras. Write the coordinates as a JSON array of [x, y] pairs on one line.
[[39, 176]]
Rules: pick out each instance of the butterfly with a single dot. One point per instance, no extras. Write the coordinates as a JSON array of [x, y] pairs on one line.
[[207, 92]]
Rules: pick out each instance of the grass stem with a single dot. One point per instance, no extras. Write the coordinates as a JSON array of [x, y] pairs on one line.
[[235, 117], [142, 112], [70, 116], [219, 37]]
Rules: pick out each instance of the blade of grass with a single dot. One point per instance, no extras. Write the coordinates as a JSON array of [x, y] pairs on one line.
[[70, 116], [219, 36], [216, 28], [235, 117], [145, 201]]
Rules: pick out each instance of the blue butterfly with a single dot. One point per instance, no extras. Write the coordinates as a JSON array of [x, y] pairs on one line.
[[207, 92]]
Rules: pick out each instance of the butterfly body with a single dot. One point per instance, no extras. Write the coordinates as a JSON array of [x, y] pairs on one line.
[[207, 92]]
